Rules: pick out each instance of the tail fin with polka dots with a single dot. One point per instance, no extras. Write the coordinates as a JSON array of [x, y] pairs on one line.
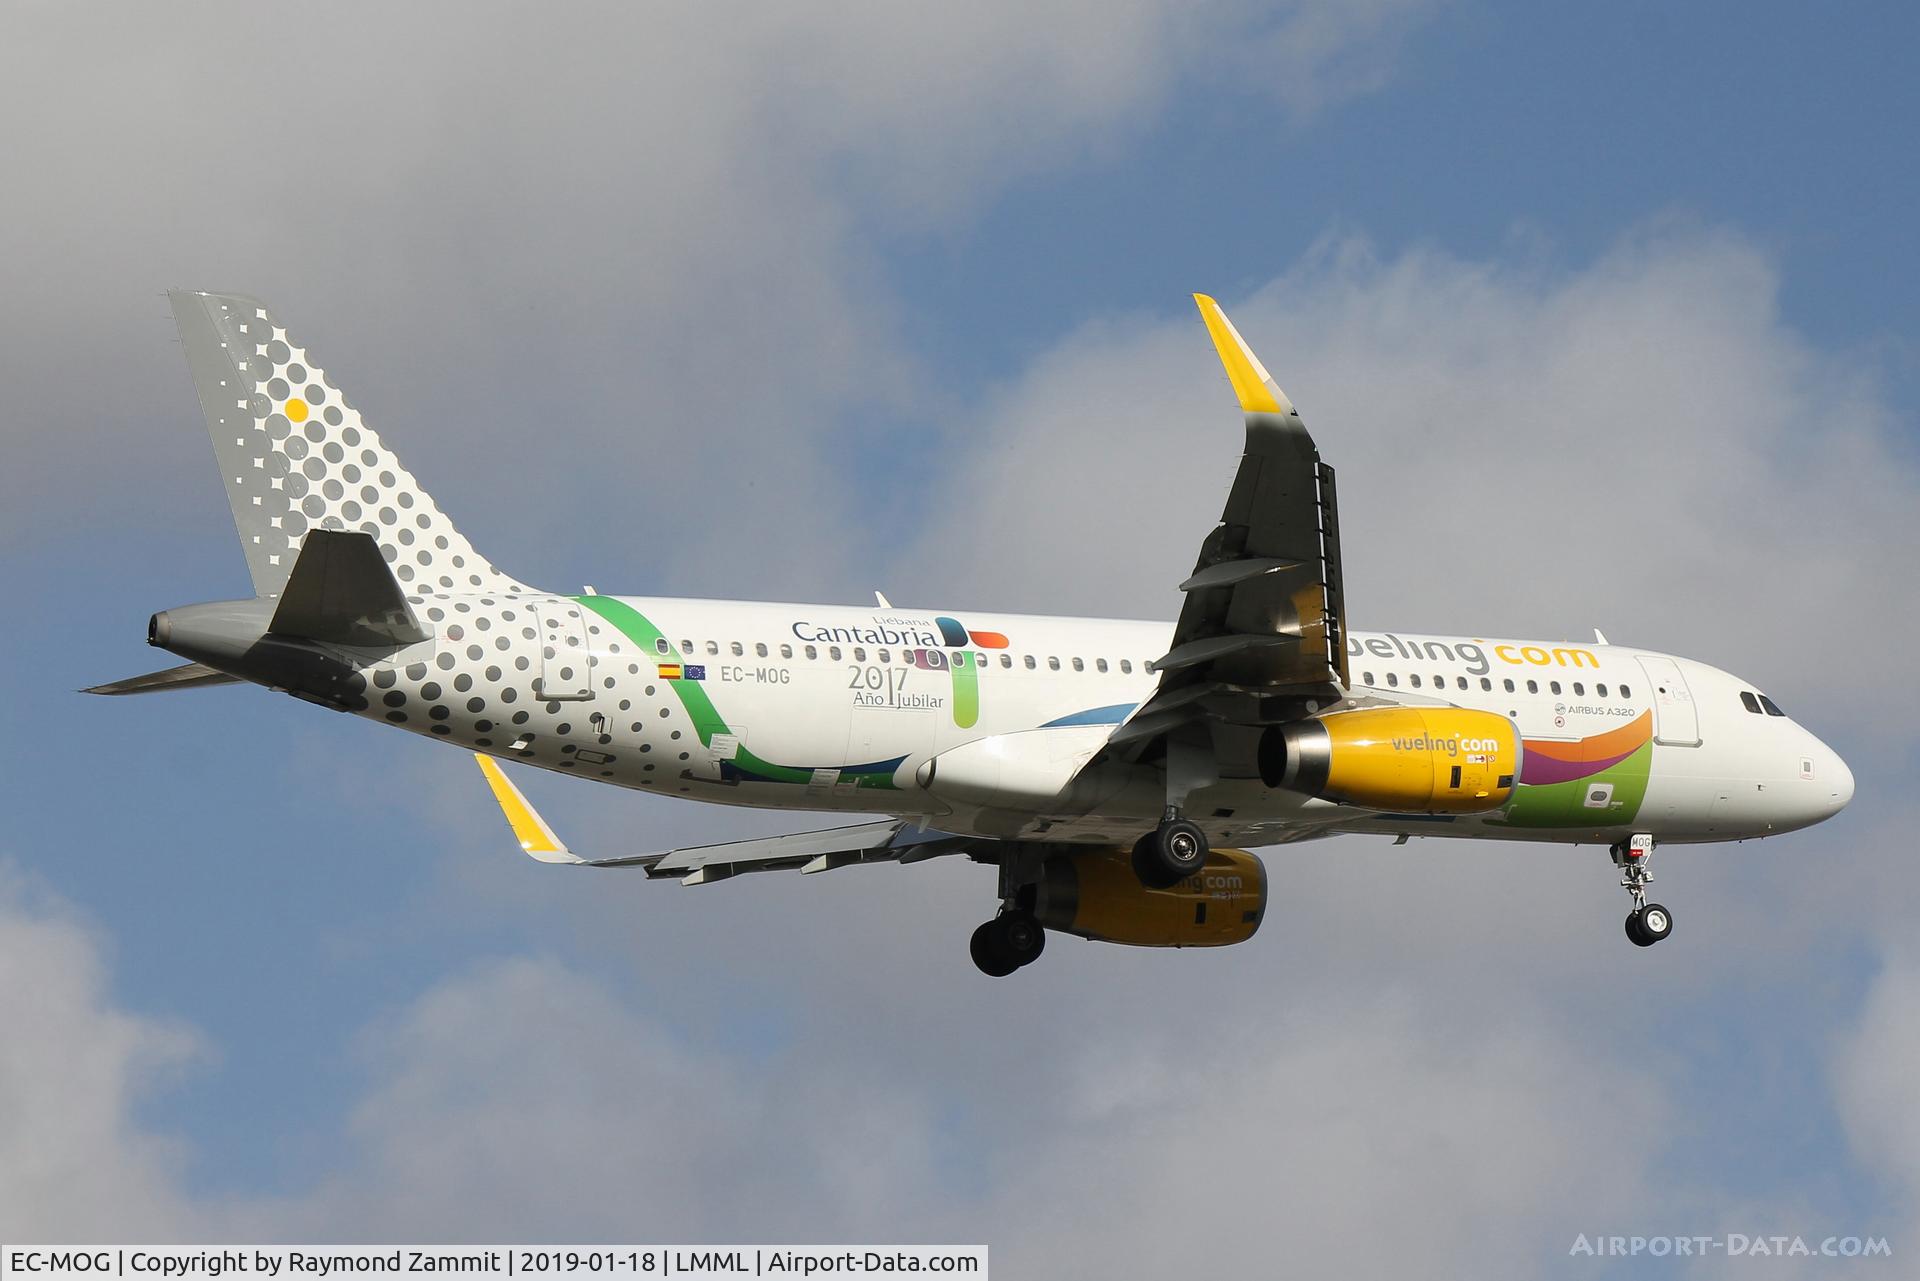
[[296, 457]]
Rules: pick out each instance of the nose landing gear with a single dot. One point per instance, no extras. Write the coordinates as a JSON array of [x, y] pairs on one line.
[[1648, 923]]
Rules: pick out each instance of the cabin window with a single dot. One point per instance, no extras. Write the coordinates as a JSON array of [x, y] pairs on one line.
[[713, 649], [1126, 667], [1578, 688], [1486, 684], [760, 648], [686, 647], [880, 654], [1554, 686], [1414, 680], [1533, 687], [833, 652], [1601, 690], [1006, 660], [1439, 682], [1461, 681], [1773, 708], [859, 654], [1751, 703], [1100, 665], [1625, 692], [1053, 663], [1030, 663], [786, 651], [1366, 678], [1509, 684], [660, 646], [739, 650], [811, 652], [1079, 666], [1393, 680]]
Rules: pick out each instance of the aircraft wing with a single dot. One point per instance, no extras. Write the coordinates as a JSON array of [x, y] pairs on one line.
[[1261, 638], [887, 841]]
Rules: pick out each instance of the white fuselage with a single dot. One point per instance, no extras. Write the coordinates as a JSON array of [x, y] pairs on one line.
[[818, 707]]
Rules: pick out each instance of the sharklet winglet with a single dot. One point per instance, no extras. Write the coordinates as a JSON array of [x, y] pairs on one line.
[[1255, 387], [536, 838]]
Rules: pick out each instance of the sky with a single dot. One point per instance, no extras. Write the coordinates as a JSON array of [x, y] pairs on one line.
[[1607, 317]]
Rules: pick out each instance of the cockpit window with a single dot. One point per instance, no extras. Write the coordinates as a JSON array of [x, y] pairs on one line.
[[1748, 701], [1773, 708]]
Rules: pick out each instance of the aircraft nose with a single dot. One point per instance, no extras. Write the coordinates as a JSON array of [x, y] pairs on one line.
[[1840, 782]]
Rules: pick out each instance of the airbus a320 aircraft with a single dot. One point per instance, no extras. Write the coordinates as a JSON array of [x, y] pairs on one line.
[[1102, 766]]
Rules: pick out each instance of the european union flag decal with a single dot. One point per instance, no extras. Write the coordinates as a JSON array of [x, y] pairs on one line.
[[693, 673]]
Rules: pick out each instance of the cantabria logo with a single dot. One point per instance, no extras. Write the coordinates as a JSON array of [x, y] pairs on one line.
[[893, 630], [942, 644]]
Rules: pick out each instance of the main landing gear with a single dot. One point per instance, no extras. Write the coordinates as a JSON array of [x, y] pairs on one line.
[[1007, 942], [1170, 853], [1015, 937], [1648, 923]]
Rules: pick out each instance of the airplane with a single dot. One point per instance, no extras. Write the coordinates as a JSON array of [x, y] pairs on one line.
[[1113, 772]]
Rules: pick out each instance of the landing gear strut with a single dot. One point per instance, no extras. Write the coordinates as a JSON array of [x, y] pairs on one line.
[[1170, 853], [1648, 923]]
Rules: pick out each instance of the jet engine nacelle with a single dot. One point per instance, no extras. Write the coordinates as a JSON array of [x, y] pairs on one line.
[[1405, 760], [1096, 895]]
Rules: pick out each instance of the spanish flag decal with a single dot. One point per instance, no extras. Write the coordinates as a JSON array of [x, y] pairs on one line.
[[669, 671]]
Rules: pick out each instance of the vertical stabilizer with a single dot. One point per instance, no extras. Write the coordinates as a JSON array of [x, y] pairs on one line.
[[295, 456]]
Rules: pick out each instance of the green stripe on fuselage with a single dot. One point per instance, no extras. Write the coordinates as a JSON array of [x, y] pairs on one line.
[[706, 718]]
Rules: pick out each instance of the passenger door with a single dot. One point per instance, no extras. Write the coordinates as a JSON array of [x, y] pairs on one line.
[[1676, 721]]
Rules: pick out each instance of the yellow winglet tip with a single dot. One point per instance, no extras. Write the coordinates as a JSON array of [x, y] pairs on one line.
[[1251, 382], [536, 838]]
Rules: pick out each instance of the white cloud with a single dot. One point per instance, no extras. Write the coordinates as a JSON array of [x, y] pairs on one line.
[[654, 228], [74, 1157], [1874, 1087], [1367, 1140], [525, 1099]]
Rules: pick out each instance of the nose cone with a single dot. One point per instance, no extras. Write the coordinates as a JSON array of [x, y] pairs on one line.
[[1839, 782]]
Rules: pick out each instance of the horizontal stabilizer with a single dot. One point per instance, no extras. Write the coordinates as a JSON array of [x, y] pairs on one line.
[[186, 676], [342, 591]]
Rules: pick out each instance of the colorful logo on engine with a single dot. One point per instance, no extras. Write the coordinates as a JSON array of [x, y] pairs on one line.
[[957, 636]]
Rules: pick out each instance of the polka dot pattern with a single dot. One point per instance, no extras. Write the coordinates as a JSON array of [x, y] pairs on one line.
[[296, 456]]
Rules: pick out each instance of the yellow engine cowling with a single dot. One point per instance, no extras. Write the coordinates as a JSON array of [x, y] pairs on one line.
[[1096, 895], [1405, 760]]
